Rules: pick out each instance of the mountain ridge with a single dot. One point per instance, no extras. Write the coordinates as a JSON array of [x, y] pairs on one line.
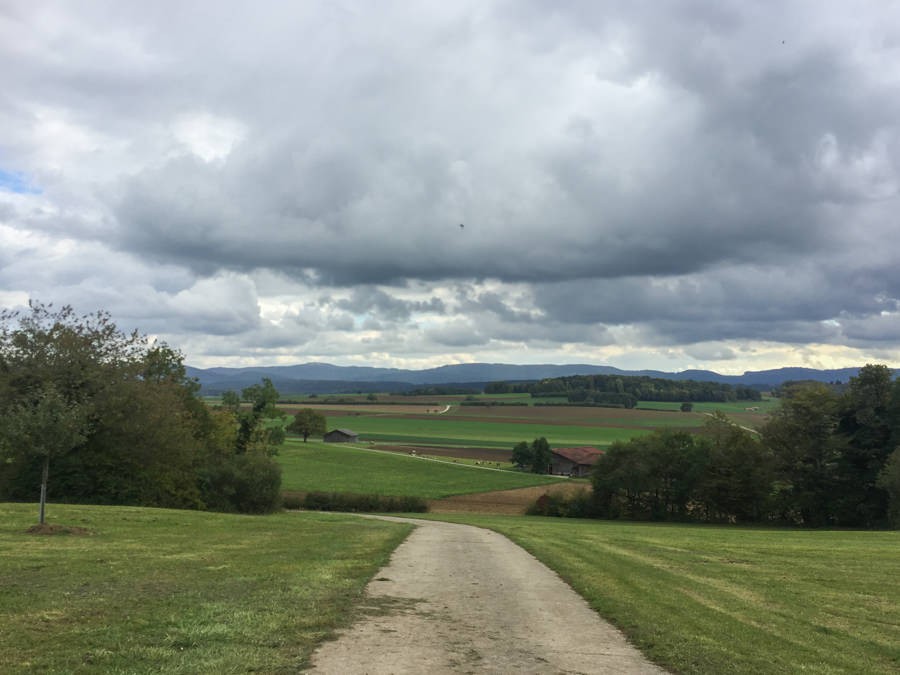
[[317, 377]]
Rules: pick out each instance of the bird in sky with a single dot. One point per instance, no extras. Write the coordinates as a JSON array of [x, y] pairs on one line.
[[461, 226]]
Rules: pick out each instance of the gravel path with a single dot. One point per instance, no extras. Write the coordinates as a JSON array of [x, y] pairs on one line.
[[461, 599]]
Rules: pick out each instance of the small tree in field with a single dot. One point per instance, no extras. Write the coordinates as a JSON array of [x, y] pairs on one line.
[[46, 426], [308, 422]]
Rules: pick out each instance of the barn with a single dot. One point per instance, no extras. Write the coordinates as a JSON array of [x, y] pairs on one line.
[[576, 462], [341, 436]]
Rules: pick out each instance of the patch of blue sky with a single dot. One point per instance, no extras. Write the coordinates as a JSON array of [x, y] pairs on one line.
[[14, 181]]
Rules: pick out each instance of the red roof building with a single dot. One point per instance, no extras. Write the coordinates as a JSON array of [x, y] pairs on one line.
[[576, 462]]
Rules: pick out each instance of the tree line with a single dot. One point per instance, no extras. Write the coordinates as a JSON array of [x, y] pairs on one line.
[[92, 414], [824, 459], [625, 390]]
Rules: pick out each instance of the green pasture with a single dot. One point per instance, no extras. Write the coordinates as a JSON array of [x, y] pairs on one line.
[[702, 599], [447, 431], [331, 467], [154, 590]]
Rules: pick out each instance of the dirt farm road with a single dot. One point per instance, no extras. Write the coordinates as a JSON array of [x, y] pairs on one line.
[[461, 599]]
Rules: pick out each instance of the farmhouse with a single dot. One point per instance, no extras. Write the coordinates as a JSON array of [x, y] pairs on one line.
[[341, 436], [573, 461]]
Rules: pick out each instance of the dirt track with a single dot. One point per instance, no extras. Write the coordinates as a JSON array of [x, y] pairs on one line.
[[460, 599]]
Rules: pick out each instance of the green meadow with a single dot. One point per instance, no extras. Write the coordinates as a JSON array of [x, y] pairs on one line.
[[701, 599], [447, 431], [334, 467], [154, 590]]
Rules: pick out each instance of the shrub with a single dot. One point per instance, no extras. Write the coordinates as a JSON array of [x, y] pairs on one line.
[[243, 484], [577, 505], [347, 501]]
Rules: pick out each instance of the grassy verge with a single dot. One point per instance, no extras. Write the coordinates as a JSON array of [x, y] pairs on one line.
[[153, 590], [331, 467], [700, 599]]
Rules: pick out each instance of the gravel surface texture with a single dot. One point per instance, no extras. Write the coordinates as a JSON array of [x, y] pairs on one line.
[[461, 599]]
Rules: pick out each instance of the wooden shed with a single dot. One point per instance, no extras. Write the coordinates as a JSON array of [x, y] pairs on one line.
[[341, 436], [576, 462]]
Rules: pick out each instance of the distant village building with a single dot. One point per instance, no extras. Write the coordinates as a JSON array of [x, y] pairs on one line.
[[576, 462], [341, 436]]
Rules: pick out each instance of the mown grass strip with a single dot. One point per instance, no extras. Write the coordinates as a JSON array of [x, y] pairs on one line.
[[701, 599], [330, 467], [153, 590]]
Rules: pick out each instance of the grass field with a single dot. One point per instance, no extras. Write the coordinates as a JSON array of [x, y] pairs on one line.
[[339, 468], [153, 590], [504, 426], [446, 430], [701, 599]]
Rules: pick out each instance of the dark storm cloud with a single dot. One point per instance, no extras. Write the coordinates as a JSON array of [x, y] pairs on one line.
[[378, 303], [547, 174]]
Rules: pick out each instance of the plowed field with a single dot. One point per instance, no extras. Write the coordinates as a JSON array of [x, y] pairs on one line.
[[505, 502]]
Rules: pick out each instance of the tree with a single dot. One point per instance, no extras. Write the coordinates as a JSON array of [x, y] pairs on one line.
[[46, 426], [806, 453], [540, 451], [889, 481], [651, 477], [867, 419], [687, 406], [535, 457], [738, 478], [253, 434], [113, 417], [54, 368], [521, 455], [308, 422]]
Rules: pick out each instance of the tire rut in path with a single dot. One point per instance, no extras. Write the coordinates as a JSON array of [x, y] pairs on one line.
[[461, 599]]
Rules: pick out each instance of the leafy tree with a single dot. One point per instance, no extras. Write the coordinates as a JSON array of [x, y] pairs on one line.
[[54, 368], [889, 481], [867, 419], [738, 479], [651, 477], [46, 426], [308, 422], [621, 481], [253, 434], [540, 453], [114, 414], [801, 433], [522, 456], [535, 457], [687, 406]]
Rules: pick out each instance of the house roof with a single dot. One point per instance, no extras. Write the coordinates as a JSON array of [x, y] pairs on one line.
[[582, 455], [346, 432]]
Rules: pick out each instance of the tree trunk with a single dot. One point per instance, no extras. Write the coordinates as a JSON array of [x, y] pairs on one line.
[[44, 475]]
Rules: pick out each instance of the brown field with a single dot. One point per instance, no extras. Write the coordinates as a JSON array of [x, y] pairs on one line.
[[507, 502]]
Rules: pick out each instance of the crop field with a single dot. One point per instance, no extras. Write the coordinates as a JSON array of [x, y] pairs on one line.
[[701, 599], [331, 467], [154, 590]]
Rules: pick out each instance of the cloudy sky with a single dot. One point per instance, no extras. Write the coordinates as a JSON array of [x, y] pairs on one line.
[[640, 184]]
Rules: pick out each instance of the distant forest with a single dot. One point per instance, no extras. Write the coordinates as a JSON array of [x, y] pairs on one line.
[[625, 391]]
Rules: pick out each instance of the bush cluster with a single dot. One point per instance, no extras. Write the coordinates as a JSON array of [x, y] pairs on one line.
[[360, 503]]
